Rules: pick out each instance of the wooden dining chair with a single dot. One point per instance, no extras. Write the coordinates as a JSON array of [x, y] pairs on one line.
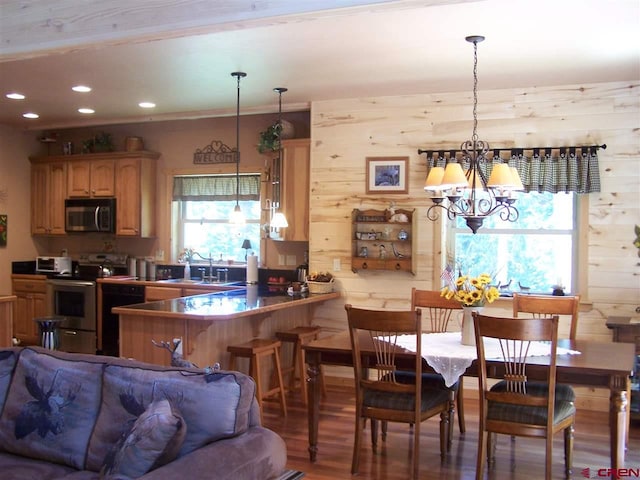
[[438, 311], [378, 395], [546, 305], [516, 405]]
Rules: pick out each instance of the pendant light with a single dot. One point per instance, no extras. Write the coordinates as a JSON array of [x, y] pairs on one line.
[[237, 217], [279, 220], [471, 195]]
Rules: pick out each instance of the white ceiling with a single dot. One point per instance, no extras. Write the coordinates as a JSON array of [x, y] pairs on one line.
[[393, 48]]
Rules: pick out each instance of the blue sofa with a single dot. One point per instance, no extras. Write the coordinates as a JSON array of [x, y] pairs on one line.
[[76, 416]]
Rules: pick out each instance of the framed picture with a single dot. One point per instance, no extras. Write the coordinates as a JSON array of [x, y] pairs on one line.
[[3, 230], [387, 175]]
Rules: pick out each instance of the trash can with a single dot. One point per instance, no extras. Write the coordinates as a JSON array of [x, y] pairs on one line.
[[48, 331]]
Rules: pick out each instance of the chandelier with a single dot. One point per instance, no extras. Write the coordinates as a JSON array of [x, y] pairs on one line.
[[470, 194], [237, 217]]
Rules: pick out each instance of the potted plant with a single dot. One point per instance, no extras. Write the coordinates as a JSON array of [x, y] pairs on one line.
[[270, 138], [101, 142]]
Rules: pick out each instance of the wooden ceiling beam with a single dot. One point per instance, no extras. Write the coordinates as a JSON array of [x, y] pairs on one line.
[[33, 28]]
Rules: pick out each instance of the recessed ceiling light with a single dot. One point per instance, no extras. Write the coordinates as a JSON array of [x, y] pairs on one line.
[[30, 115], [86, 110], [15, 96], [147, 104], [81, 88]]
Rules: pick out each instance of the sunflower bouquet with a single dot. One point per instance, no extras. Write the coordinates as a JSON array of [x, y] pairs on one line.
[[471, 291]]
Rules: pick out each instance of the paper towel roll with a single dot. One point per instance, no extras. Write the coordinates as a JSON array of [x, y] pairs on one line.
[[252, 269]]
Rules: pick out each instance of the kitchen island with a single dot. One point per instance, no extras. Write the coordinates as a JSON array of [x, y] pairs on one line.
[[208, 323]]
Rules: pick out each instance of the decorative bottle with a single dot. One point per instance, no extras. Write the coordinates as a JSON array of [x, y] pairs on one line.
[[187, 271]]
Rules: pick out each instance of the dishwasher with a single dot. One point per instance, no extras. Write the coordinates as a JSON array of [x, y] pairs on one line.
[[115, 295]]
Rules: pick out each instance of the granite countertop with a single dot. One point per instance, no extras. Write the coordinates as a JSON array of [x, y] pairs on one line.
[[224, 305]]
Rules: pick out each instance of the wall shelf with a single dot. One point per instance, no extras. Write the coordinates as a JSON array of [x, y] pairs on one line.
[[382, 240]]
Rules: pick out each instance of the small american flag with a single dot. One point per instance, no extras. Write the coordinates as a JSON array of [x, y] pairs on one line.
[[447, 276]]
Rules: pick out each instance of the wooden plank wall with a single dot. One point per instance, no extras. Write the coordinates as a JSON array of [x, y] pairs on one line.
[[344, 132]]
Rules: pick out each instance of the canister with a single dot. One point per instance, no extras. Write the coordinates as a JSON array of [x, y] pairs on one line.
[[142, 269], [132, 270], [151, 270]]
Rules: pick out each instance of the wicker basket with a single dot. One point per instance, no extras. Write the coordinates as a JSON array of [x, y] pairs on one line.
[[320, 287]]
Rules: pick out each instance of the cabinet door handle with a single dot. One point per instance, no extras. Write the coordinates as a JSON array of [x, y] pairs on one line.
[[398, 267], [365, 266]]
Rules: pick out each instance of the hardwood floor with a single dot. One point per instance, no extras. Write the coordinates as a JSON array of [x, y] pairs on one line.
[[522, 459]]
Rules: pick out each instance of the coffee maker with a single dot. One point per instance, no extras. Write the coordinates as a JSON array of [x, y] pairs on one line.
[[303, 269]]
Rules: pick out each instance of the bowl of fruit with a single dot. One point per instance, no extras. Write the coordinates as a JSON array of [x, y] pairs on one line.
[[320, 282]]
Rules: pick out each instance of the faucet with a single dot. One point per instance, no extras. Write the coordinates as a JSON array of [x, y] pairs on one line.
[[222, 274], [210, 278]]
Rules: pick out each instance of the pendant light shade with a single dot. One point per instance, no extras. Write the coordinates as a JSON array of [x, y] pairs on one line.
[[279, 220], [237, 217]]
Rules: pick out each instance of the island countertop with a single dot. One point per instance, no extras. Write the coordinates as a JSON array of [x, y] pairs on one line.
[[210, 322], [223, 305]]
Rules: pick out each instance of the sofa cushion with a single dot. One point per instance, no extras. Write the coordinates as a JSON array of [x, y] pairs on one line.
[[154, 440], [214, 406], [51, 408], [8, 359]]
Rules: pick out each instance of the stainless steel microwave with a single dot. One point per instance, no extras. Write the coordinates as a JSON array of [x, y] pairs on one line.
[[90, 215]]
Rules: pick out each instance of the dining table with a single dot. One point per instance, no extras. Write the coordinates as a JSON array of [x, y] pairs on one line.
[[579, 362]]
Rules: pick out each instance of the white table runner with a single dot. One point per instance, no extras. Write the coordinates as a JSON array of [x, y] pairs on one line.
[[447, 356]]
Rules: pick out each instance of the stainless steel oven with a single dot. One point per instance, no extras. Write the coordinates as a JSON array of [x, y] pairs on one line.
[[75, 300]]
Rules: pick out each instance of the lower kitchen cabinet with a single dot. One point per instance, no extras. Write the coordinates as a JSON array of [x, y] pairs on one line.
[[31, 303], [7, 313]]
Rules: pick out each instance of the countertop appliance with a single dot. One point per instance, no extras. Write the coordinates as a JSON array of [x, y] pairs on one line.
[[90, 215], [58, 265], [73, 296]]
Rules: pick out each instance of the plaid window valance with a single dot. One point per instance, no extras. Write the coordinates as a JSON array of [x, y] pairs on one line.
[[555, 172], [216, 187]]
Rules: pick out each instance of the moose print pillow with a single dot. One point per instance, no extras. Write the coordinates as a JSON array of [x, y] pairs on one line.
[[51, 408], [213, 406]]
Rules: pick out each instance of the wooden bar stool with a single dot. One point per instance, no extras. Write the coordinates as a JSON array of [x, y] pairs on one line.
[[300, 336], [256, 350]]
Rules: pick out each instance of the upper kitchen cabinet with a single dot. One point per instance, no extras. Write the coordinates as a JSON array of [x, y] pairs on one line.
[[136, 194], [91, 178], [48, 191], [129, 177], [293, 190]]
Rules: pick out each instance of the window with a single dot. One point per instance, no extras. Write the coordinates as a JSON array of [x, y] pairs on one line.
[[202, 207], [536, 252]]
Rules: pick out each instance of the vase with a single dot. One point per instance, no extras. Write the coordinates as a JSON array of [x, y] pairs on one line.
[[468, 332]]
